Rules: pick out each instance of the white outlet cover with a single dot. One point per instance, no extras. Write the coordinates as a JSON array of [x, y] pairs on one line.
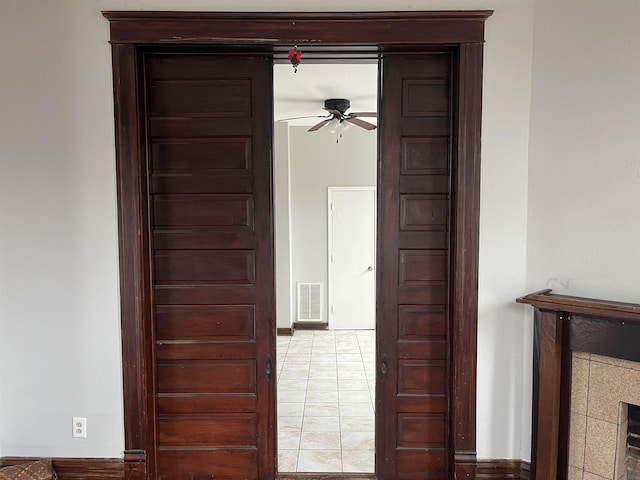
[[80, 427]]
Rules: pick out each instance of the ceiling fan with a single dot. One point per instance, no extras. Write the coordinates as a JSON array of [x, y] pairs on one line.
[[337, 108]]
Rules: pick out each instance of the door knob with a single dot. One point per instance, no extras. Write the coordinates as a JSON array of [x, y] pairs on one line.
[[370, 269]]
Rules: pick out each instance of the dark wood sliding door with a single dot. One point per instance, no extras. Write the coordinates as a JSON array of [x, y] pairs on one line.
[[413, 408], [208, 124]]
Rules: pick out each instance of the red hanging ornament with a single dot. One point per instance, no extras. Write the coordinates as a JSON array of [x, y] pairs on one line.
[[294, 57]]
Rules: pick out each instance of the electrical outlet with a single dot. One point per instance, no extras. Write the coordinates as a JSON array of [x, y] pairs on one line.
[[80, 427]]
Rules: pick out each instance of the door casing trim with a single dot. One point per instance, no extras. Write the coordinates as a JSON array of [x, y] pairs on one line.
[[412, 32]]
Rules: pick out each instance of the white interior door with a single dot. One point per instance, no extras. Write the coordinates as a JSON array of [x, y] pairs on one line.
[[352, 254]]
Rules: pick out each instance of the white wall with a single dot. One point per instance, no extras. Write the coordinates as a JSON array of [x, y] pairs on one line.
[[584, 169], [503, 378], [282, 228], [59, 325], [584, 175], [318, 162]]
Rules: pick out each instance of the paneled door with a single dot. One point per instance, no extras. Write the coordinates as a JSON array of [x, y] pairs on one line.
[[413, 399], [208, 127]]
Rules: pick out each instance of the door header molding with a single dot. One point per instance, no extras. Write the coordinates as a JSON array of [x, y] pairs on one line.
[[271, 29]]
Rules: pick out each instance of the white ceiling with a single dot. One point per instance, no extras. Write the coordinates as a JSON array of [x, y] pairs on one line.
[[303, 93]]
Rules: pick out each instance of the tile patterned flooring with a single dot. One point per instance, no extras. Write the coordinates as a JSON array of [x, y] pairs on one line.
[[326, 392]]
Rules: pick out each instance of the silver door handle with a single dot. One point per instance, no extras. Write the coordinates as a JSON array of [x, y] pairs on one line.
[[370, 269]]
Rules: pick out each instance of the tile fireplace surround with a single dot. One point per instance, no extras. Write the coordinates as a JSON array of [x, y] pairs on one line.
[[601, 389], [597, 344]]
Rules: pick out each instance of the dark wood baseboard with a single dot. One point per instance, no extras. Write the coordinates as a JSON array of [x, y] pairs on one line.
[[113, 469], [287, 332], [502, 469], [78, 468], [310, 326]]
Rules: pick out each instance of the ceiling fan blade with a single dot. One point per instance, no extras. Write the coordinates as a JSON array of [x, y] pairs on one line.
[[361, 123], [318, 126], [334, 112], [300, 118], [363, 114]]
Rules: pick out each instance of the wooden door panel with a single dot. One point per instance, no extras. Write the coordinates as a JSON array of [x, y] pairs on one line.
[[419, 430], [210, 201], [423, 212], [204, 239], [186, 127], [426, 350], [203, 350], [176, 463], [431, 240], [427, 295], [206, 210], [200, 98], [209, 267], [425, 156], [181, 183], [217, 322], [222, 156], [205, 295], [417, 377], [413, 439], [205, 404], [423, 267], [214, 376], [426, 97], [421, 463], [418, 184], [421, 404], [212, 431], [417, 322]]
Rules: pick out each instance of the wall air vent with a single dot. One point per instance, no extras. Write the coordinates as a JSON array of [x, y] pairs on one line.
[[309, 302]]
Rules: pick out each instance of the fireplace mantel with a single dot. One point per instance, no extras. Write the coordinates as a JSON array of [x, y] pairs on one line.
[[563, 324]]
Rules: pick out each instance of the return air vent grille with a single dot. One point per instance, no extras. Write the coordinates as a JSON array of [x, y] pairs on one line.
[[309, 302]]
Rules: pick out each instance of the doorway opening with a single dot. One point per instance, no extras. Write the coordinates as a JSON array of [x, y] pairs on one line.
[[325, 240], [430, 154]]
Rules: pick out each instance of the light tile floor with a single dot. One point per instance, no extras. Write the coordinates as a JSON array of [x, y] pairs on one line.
[[326, 393]]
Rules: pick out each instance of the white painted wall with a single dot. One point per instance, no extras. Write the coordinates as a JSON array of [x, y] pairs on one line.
[[318, 162], [502, 382], [282, 219], [584, 175], [584, 170], [59, 325]]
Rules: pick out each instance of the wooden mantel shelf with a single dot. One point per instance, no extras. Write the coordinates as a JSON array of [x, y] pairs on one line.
[[563, 324], [545, 300]]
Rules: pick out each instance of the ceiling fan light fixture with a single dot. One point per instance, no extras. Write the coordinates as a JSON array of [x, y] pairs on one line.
[[334, 125]]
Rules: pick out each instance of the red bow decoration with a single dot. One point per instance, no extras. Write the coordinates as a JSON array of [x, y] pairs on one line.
[[294, 57]]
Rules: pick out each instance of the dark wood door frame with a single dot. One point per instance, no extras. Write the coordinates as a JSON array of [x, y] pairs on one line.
[[132, 32]]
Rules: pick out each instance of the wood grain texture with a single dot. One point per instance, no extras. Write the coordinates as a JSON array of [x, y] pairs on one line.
[[391, 28], [502, 469], [414, 279], [134, 258], [545, 300], [208, 358], [464, 260]]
